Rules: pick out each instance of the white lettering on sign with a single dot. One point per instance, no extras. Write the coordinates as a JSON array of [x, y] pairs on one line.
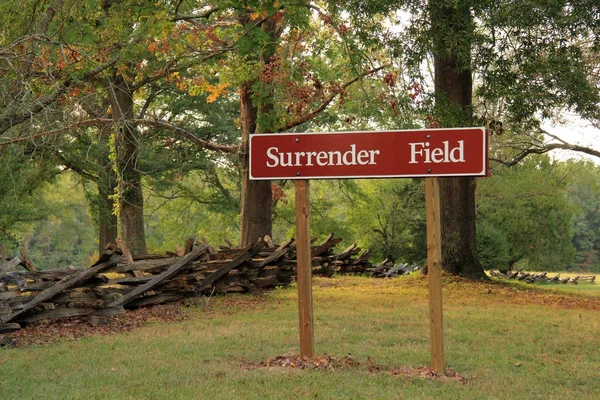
[[321, 158], [421, 152]]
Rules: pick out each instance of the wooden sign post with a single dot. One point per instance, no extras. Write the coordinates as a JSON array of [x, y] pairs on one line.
[[426, 153], [434, 273], [303, 269]]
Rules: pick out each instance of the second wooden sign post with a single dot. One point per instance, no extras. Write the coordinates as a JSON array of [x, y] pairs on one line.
[[303, 269]]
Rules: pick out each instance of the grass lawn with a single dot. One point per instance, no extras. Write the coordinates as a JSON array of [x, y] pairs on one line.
[[505, 341]]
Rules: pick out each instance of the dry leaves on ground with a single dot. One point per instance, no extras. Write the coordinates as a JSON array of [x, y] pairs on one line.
[[48, 331], [329, 363]]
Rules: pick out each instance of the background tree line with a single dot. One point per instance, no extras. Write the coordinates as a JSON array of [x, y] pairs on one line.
[[541, 215], [141, 112]]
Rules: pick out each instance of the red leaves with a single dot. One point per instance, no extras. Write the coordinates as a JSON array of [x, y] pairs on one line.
[[390, 79], [432, 122], [277, 193], [414, 90], [305, 92], [343, 29], [394, 106], [272, 71], [327, 19]]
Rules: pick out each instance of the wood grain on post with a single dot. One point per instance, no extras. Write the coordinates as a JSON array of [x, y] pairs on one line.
[[304, 273], [434, 273]]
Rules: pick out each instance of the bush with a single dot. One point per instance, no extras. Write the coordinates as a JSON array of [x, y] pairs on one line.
[[492, 247]]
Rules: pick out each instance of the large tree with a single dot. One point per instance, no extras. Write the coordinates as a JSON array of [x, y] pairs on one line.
[[298, 60], [452, 30], [119, 49], [510, 63]]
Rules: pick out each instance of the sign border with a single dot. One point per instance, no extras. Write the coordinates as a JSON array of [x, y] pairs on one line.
[[484, 172]]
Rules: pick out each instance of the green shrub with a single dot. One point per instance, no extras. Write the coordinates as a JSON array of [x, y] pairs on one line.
[[492, 247]]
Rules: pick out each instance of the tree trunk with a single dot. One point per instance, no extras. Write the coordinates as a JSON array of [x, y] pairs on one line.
[[256, 202], [131, 200], [257, 197], [452, 28], [107, 220], [107, 188]]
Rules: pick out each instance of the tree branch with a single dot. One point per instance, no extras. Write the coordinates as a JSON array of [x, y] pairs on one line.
[[173, 67], [76, 125], [327, 101], [545, 148], [151, 96], [193, 138], [7, 121], [142, 122], [78, 170], [202, 15]]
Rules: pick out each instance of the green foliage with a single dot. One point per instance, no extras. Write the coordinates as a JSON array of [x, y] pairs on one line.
[[534, 56], [492, 247], [66, 236], [528, 205], [547, 212], [584, 192], [330, 209], [385, 216], [20, 177], [52, 224], [388, 218], [201, 204]]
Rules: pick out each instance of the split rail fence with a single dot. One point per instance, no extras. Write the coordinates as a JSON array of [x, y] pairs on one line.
[[542, 277], [117, 281]]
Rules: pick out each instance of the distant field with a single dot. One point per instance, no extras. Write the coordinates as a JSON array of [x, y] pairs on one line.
[[372, 336]]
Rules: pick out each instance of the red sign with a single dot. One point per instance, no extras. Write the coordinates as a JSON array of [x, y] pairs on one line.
[[408, 153]]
